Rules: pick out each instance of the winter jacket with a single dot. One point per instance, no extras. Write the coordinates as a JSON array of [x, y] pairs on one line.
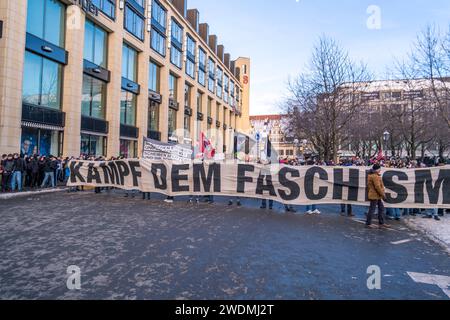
[[19, 165], [375, 187]]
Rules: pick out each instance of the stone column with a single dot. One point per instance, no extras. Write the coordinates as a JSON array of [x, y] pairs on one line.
[[73, 80], [13, 13]]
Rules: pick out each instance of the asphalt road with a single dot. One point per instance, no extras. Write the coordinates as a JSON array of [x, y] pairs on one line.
[[135, 249]]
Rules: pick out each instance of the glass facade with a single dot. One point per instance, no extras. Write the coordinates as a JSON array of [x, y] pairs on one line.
[[94, 98], [177, 44], [191, 56], [93, 145], [128, 148], [158, 42], [134, 22], [153, 117], [45, 20], [158, 32], [129, 63], [128, 109], [211, 76], [219, 82], [108, 7], [42, 81], [154, 77], [40, 142], [202, 67], [95, 44]]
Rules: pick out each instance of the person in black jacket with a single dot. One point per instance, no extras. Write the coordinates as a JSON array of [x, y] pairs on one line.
[[49, 172], [33, 167], [17, 171], [8, 165]]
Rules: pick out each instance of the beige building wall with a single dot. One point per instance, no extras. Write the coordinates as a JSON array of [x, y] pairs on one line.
[[12, 48]]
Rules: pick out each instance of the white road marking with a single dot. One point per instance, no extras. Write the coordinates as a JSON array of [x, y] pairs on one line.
[[442, 282], [402, 241]]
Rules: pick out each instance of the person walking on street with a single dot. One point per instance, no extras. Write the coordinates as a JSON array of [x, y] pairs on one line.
[[377, 194]]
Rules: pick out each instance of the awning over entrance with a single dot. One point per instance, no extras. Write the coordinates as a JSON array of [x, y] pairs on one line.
[[41, 126]]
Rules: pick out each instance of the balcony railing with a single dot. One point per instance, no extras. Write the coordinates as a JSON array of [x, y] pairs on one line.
[[218, 124], [43, 115], [127, 131], [200, 116], [210, 120], [94, 125]]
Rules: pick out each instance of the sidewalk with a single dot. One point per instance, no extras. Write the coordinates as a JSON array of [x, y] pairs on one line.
[[6, 196], [438, 231]]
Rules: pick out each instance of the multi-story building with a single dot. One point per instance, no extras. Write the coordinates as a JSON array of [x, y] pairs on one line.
[[97, 76]]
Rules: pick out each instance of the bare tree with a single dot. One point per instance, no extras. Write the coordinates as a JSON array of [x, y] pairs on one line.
[[326, 97]]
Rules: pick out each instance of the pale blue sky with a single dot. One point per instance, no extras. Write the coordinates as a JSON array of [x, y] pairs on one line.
[[278, 35]]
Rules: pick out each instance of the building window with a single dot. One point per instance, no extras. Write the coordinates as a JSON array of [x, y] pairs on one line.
[[187, 95], [158, 32], [219, 82], [108, 7], [176, 49], [94, 98], [211, 75], [172, 122], [95, 44], [128, 148], [227, 88], [153, 117], [45, 19], [93, 145], [41, 142], [199, 102], [134, 22], [202, 67], [209, 108], [42, 81], [154, 77], [129, 63], [217, 112], [175, 56], [128, 108], [191, 56], [159, 14], [158, 42], [187, 126], [173, 87]]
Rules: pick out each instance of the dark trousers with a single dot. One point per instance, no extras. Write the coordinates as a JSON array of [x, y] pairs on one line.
[[381, 211], [264, 203], [6, 178], [349, 209]]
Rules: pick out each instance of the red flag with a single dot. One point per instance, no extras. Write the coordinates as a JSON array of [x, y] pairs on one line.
[[206, 147], [380, 155]]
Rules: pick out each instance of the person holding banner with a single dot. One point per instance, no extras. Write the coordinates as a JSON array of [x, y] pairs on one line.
[[377, 194]]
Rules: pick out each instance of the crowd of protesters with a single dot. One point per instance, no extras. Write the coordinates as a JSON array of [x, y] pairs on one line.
[[18, 173]]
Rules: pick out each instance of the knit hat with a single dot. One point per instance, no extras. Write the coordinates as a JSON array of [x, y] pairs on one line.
[[376, 167]]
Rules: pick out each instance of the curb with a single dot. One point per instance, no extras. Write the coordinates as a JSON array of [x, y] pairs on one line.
[[9, 196]]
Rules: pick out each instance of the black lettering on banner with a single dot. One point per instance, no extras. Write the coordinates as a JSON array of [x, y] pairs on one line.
[[109, 172], [75, 172], [161, 168], [261, 187], [124, 171], [242, 178], [214, 172], [424, 178], [93, 174], [400, 190], [352, 184], [293, 187], [134, 165], [177, 178], [309, 183]]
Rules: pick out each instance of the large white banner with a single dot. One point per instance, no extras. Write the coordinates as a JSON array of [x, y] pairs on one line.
[[155, 150], [419, 188]]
